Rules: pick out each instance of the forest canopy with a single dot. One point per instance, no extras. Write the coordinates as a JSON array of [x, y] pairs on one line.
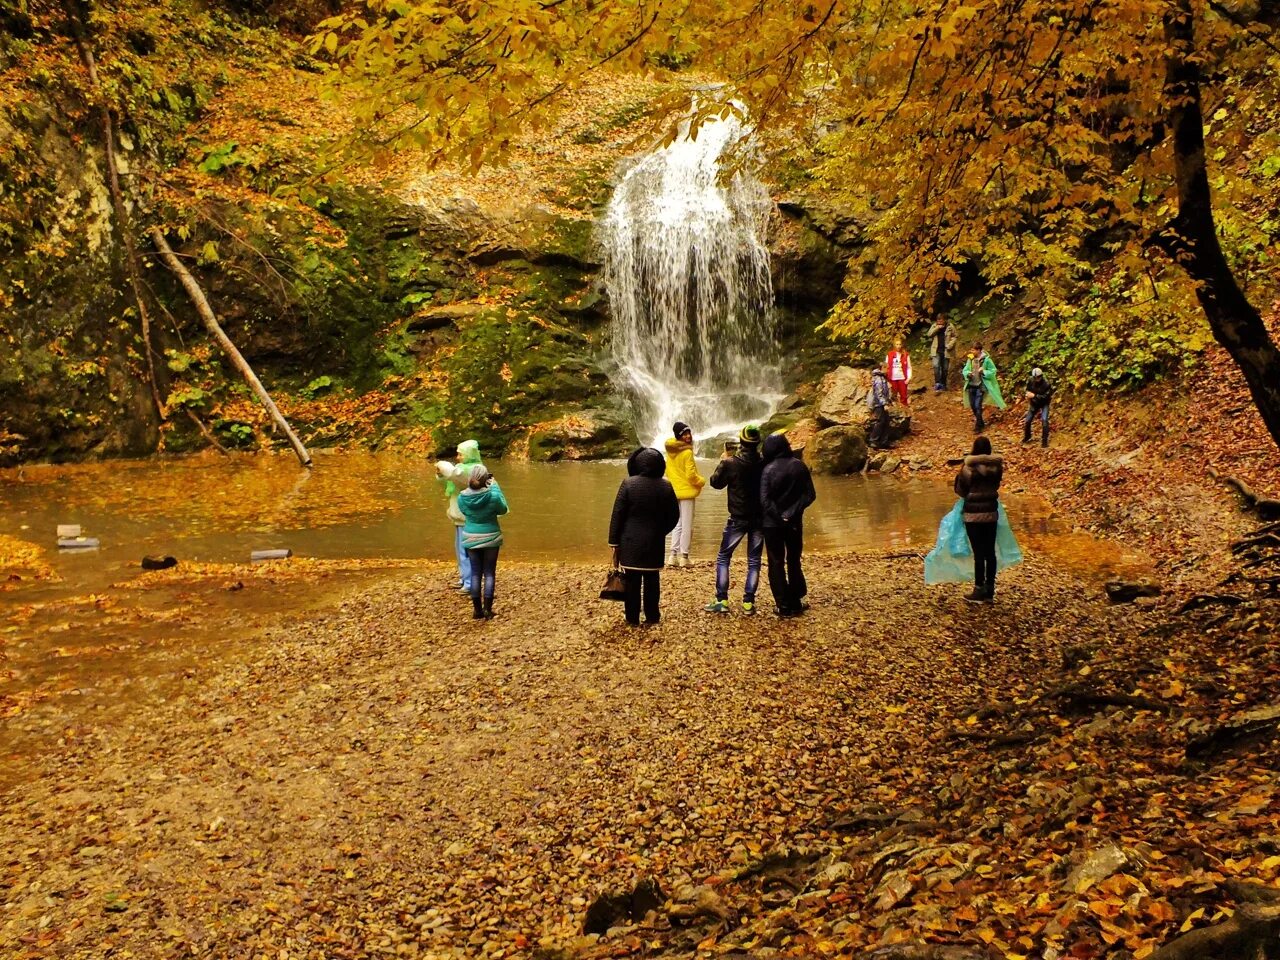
[[997, 147]]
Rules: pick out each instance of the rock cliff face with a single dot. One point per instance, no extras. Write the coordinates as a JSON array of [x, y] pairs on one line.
[[376, 314]]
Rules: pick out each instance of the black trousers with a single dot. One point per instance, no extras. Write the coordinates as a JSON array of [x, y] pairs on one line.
[[652, 594], [879, 427], [982, 537], [783, 546]]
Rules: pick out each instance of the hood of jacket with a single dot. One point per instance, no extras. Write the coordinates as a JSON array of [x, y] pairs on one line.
[[983, 464], [469, 450], [775, 446], [477, 499], [647, 462], [675, 446]]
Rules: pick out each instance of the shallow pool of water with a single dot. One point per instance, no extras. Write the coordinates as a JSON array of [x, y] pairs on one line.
[[360, 505]]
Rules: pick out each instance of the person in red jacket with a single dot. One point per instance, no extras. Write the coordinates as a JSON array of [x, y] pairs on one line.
[[897, 367]]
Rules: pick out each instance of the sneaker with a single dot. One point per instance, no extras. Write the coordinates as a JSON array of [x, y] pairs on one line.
[[977, 596], [785, 613], [684, 560], [717, 606], [749, 607]]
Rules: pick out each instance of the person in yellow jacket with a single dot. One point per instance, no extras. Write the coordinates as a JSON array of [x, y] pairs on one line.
[[682, 472]]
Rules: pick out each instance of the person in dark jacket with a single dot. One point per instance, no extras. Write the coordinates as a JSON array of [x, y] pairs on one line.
[[1039, 393], [786, 491], [978, 482], [644, 512], [878, 399], [740, 473]]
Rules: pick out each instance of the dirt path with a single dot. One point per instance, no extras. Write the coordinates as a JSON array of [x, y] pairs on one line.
[[396, 778]]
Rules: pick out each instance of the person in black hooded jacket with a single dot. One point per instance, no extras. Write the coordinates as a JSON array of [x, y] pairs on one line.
[[644, 512], [786, 491]]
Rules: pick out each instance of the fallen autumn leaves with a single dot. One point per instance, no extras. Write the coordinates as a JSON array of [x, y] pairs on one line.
[[896, 770]]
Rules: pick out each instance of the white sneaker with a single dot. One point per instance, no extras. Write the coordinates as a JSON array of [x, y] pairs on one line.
[[684, 560]]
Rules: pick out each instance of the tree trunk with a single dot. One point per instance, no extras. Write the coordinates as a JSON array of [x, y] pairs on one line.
[[237, 360], [123, 224], [1192, 238]]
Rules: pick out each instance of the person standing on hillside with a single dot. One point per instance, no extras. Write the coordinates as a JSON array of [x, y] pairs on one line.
[[942, 347], [644, 512], [482, 503], [740, 473], [447, 473], [897, 365], [878, 399], [979, 383], [978, 483], [786, 491], [682, 474], [1039, 393]]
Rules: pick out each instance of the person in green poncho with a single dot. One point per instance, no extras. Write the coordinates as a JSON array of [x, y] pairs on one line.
[[980, 381]]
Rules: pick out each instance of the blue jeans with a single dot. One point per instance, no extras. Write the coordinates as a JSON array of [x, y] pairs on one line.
[[976, 396], [484, 571], [464, 561], [1032, 415], [734, 531], [940, 372]]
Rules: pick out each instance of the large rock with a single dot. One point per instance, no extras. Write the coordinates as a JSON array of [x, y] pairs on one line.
[[842, 397], [800, 435], [837, 450], [585, 435]]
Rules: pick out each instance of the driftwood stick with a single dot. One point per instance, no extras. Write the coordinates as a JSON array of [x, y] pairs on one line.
[[207, 434], [237, 359]]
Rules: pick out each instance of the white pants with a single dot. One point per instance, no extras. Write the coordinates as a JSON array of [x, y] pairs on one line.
[[682, 535]]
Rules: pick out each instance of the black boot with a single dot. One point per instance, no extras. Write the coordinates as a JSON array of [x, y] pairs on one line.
[[1026, 434], [478, 611], [1044, 437], [488, 608]]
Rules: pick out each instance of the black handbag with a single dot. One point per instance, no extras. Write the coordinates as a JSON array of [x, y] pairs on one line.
[[615, 586]]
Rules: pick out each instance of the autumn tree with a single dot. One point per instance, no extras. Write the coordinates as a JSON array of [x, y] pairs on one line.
[[1021, 141]]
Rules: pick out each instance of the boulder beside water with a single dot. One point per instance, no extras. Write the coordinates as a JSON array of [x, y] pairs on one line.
[[591, 434], [837, 450]]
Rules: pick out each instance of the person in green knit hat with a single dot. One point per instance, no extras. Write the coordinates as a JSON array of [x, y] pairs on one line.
[[979, 383], [740, 471]]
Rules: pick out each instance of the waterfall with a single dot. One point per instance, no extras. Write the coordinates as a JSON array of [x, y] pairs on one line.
[[687, 273]]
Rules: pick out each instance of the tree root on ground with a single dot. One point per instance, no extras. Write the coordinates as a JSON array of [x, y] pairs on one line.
[[1256, 725], [1202, 600], [1079, 695], [1266, 508], [1252, 933]]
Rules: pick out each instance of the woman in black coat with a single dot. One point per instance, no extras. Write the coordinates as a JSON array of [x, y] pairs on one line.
[[644, 512], [978, 482]]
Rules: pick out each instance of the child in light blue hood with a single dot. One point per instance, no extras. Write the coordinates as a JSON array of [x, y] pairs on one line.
[[481, 503]]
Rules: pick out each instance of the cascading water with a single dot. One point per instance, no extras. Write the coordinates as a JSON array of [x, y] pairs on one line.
[[687, 272]]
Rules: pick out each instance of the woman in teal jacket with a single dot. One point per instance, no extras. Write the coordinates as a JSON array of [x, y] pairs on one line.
[[482, 503]]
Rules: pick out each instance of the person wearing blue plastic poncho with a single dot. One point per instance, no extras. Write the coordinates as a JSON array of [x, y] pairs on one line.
[[976, 534]]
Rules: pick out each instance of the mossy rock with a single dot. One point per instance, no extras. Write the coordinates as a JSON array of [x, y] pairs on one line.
[[592, 434]]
